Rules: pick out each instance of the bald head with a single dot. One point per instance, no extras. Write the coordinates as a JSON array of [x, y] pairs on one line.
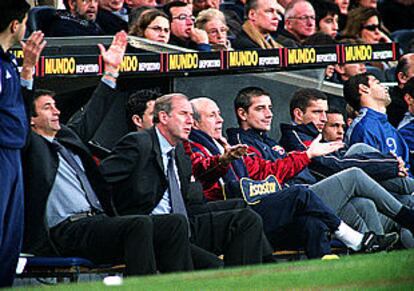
[[405, 69], [207, 117]]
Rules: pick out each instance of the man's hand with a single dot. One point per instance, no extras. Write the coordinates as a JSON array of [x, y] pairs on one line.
[[199, 36], [232, 153], [32, 50], [115, 53], [317, 149], [402, 170]]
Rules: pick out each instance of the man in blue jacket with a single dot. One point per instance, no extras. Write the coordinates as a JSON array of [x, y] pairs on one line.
[[13, 129], [367, 95]]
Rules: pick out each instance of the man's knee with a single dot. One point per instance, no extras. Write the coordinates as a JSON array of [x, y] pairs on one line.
[[249, 217], [354, 173]]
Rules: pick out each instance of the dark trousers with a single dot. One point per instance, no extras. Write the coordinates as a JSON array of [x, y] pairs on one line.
[[297, 214], [145, 243], [235, 233], [11, 214]]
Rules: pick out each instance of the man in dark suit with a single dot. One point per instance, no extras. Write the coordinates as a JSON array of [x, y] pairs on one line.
[[148, 180], [68, 206]]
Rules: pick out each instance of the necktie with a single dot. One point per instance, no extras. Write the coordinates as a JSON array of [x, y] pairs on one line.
[[69, 157], [177, 202]]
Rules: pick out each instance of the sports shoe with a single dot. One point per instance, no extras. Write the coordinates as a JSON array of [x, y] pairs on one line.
[[372, 242]]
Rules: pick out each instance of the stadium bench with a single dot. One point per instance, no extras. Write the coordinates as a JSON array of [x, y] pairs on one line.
[[65, 267]]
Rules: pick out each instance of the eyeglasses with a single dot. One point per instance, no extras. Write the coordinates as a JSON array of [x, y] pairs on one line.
[[371, 27], [182, 17], [304, 18], [215, 32], [159, 29]]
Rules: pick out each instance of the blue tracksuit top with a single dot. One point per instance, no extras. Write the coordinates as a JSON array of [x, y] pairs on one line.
[[372, 127], [406, 129], [13, 121]]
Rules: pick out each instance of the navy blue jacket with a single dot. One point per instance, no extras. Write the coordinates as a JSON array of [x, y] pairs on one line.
[[13, 121], [378, 165]]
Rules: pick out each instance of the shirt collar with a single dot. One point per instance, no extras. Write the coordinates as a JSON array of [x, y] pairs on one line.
[[165, 146]]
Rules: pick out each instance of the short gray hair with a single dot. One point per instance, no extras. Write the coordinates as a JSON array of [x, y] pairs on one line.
[[164, 103]]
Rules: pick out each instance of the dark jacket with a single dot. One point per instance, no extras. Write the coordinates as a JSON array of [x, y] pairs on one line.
[[378, 165], [110, 23], [189, 44], [243, 41], [41, 163], [13, 120], [136, 171], [66, 24]]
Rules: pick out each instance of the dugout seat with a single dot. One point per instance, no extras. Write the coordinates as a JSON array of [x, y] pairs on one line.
[[62, 268], [40, 18]]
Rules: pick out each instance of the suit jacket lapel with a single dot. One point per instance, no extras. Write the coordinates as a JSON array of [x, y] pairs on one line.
[[157, 149]]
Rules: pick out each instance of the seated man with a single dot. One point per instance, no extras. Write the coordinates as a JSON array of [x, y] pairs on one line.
[[254, 113], [308, 112], [299, 21], [294, 214], [403, 72], [78, 19], [262, 20], [406, 127], [183, 32], [112, 16], [68, 205], [327, 16], [152, 175], [366, 94]]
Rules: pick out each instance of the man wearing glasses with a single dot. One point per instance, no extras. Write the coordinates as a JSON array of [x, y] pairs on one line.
[[263, 17], [183, 32], [299, 21]]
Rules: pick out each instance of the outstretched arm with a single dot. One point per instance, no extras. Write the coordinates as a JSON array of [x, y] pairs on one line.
[[102, 99]]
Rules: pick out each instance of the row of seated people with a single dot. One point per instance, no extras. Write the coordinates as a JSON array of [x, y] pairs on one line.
[[203, 26], [147, 181], [177, 225]]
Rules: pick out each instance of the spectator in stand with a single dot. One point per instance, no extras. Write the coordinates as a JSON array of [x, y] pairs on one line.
[[233, 20], [263, 17], [397, 14], [134, 15], [213, 22], [365, 23], [363, 3], [183, 32], [300, 21], [406, 126], [153, 25], [327, 15], [403, 72], [343, 12], [133, 4], [112, 16], [79, 19]]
